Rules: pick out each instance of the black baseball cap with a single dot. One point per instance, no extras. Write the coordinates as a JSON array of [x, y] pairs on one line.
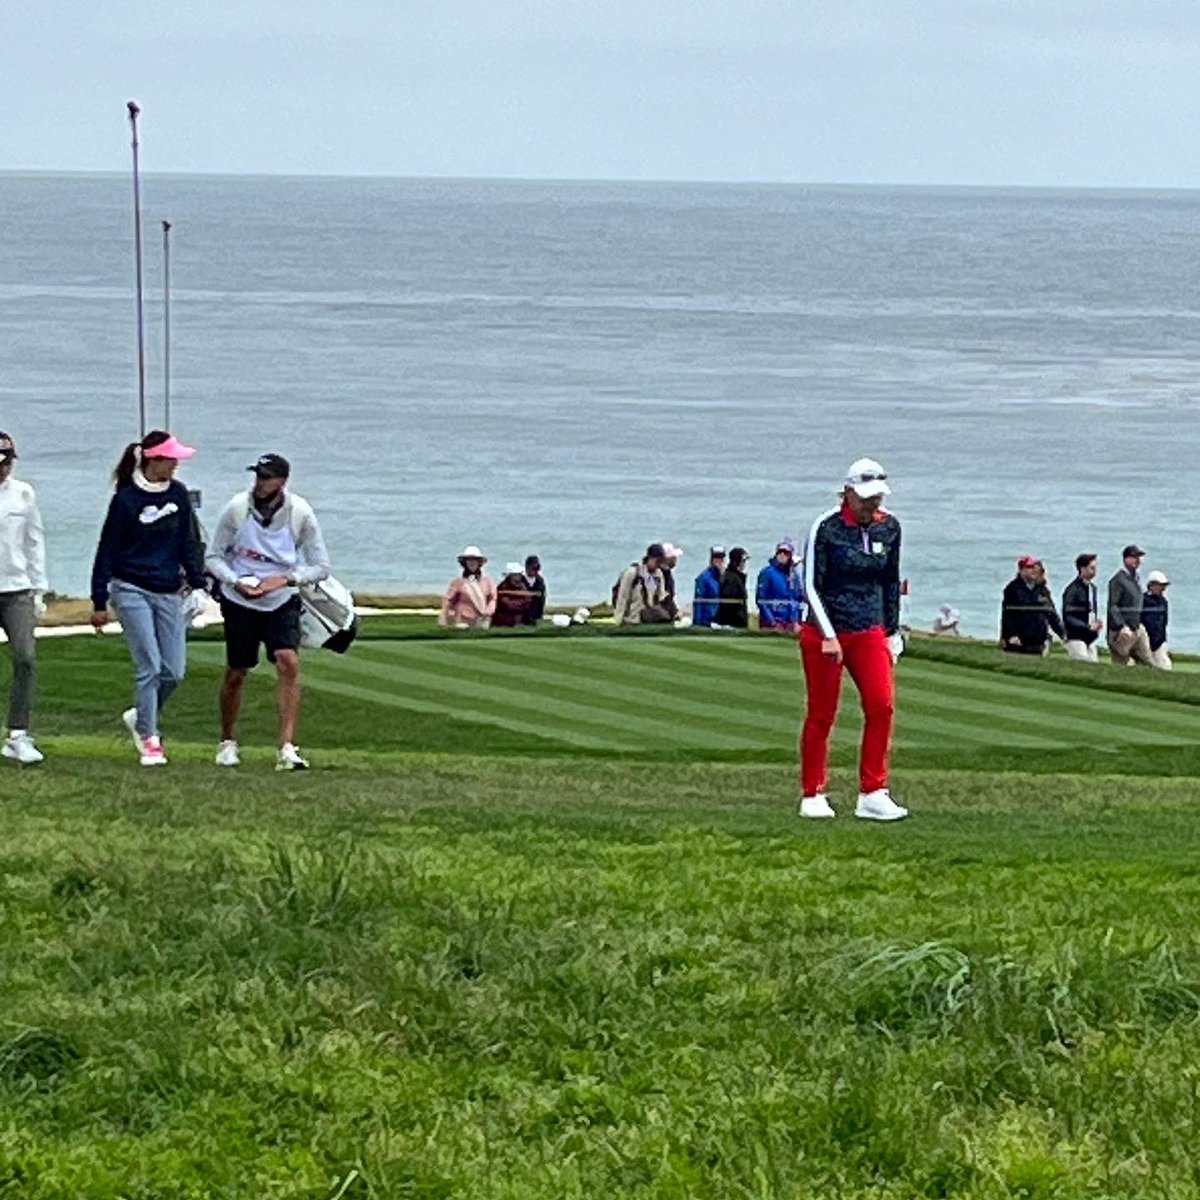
[[271, 466], [1133, 550]]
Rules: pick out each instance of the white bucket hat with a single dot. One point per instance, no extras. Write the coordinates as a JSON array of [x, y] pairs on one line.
[[472, 552], [867, 478]]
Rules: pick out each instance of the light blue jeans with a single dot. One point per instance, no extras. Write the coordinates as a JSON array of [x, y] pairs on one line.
[[156, 631]]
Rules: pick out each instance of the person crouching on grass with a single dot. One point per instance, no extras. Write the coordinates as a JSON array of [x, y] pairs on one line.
[[148, 552], [266, 544], [852, 584]]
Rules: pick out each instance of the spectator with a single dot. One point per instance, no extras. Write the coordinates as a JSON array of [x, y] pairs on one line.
[[537, 589], [708, 589], [1081, 612], [513, 598], [733, 591], [641, 592], [22, 588], [779, 590], [1154, 619], [471, 597], [670, 562], [1027, 614], [946, 623], [1126, 638]]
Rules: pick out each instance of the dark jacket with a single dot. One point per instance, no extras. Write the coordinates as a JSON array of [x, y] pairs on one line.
[[537, 603], [704, 604], [513, 601], [669, 588], [733, 599], [778, 595], [852, 573], [149, 540], [1154, 618], [1027, 612], [1124, 603], [1080, 604]]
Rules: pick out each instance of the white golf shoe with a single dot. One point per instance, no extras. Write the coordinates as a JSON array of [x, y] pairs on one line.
[[879, 806], [20, 748], [289, 759], [129, 718], [816, 807], [227, 755]]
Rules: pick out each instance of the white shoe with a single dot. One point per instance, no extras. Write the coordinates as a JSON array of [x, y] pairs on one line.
[[817, 807], [289, 759], [227, 755], [19, 746], [153, 754], [879, 806], [129, 716]]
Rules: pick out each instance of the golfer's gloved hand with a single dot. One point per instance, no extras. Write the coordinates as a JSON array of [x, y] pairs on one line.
[[895, 645]]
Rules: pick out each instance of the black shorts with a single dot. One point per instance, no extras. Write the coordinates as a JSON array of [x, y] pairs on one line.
[[246, 629]]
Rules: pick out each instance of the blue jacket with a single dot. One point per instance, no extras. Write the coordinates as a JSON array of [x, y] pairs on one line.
[[708, 590], [778, 595]]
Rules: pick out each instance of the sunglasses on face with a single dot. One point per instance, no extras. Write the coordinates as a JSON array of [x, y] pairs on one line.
[[873, 477]]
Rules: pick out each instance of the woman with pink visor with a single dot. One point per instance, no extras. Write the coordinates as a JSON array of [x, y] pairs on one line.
[[147, 559]]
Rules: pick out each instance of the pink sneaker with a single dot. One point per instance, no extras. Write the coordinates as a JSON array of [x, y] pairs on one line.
[[153, 754]]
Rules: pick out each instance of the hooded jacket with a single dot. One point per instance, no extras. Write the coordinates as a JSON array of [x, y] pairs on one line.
[[778, 594]]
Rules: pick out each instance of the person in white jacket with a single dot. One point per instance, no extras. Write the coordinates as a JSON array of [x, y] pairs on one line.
[[267, 543], [22, 585]]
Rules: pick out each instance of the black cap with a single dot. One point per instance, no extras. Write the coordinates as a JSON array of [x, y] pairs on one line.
[[1133, 550], [271, 466], [8, 448], [655, 550]]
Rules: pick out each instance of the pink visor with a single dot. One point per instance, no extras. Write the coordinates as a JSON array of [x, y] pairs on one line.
[[171, 448]]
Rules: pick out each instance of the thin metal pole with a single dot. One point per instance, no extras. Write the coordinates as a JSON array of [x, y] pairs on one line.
[[134, 112], [166, 228]]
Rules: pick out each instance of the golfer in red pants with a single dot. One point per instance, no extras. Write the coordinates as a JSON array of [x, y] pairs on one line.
[[852, 585]]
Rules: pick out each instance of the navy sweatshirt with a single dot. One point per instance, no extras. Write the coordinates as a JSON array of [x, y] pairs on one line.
[[148, 540]]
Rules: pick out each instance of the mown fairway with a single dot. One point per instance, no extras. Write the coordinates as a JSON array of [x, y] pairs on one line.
[[542, 923]]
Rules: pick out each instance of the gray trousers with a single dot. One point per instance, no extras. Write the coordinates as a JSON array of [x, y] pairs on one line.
[[18, 620]]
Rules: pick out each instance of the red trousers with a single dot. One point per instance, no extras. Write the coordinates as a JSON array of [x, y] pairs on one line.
[[865, 655]]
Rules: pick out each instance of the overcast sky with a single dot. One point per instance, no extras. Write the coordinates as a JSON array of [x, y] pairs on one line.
[[1063, 92]]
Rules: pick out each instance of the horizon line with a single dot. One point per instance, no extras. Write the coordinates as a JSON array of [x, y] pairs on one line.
[[69, 172]]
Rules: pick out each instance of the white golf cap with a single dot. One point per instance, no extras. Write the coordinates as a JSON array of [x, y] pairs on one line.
[[473, 552], [867, 478], [1157, 577], [513, 568], [672, 551]]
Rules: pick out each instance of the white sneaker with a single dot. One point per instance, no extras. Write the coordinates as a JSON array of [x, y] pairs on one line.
[[817, 807], [227, 755], [289, 759], [153, 754], [879, 806], [129, 716], [19, 746]]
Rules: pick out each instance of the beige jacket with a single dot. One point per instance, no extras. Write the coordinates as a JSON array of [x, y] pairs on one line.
[[632, 596]]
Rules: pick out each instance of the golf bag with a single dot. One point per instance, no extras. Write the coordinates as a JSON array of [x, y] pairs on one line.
[[327, 617]]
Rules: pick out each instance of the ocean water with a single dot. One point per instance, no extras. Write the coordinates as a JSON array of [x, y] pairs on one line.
[[577, 369]]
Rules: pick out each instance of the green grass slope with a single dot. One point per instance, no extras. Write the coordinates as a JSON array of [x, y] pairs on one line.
[[543, 923]]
